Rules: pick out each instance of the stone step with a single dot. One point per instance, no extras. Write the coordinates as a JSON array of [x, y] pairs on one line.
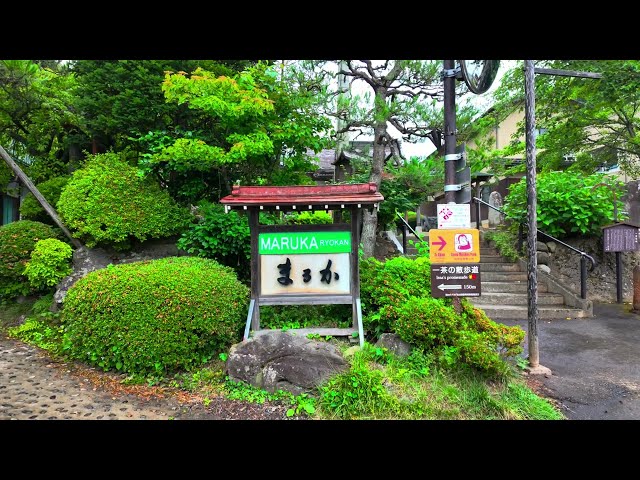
[[499, 298], [488, 251], [508, 287], [503, 276], [493, 259], [520, 312], [499, 267]]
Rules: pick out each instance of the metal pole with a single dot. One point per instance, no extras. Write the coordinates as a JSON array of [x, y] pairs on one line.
[[532, 266], [449, 128], [583, 277], [618, 278], [478, 219], [404, 239], [520, 238]]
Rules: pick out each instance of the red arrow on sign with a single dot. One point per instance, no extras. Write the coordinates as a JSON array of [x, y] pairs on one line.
[[442, 243]]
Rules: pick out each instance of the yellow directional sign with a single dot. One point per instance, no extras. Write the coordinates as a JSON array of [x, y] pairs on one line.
[[454, 245]]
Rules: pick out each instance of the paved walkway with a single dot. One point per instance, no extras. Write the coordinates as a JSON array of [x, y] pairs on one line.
[[595, 363], [34, 387]]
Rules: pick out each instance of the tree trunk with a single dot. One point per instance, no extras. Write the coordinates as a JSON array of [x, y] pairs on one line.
[[36, 193], [370, 220]]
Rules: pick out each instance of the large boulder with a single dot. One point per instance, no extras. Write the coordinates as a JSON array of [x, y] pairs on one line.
[[395, 344], [275, 360]]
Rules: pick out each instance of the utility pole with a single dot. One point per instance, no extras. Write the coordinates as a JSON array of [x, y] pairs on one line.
[[532, 236], [449, 129]]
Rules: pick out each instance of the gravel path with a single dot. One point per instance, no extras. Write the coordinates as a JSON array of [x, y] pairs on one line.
[[35, 387]]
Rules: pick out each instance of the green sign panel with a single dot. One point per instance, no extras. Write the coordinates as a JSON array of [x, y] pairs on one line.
[[304, 242]]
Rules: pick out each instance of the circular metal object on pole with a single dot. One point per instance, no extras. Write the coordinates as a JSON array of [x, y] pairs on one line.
[[479, 74]]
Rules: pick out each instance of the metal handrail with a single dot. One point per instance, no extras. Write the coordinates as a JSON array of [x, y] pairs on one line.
[[583, 255], [404, 233]]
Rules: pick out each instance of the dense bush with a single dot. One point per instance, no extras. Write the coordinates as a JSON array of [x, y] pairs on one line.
[[154, 317], [50, 263], [304, 316], [17, 241], [224, 237], [30, 209], [426, 321], [470, 336], [507, 340], [386, 285], [567, 203], [106, 202], [505, 241], [396, 297]]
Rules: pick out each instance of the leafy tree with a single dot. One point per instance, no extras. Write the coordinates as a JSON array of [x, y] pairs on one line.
[[595, 121], [121, 100], [402, 94], [37, 121], [259, 130]]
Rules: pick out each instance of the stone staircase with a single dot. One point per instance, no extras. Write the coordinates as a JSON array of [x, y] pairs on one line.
[[504, 287], [504, 291]]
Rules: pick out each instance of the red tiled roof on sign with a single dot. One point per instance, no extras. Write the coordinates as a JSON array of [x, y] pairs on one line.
[[302, 197]]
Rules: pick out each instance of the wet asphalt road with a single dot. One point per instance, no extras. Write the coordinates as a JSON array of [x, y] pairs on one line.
[[595, 363]]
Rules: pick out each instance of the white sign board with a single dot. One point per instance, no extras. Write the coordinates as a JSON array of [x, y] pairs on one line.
[[454, 215], [324, 274]]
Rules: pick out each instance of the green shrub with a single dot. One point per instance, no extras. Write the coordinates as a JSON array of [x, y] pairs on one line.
[[40, 332], [30, 209], [479, 350], [426, 322], [49, 263], [508, 340], [17, 241], [567, 204], [224, 237], [318, 217], [389, 284], [155, 317], [106, 202], [303, 316], [505, 241]]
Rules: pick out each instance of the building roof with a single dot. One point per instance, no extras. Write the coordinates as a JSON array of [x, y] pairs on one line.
[[628, 224]]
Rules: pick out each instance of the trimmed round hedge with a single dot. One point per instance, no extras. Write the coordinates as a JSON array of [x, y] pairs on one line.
[[17, 241], [107, 203], [154, 317]]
